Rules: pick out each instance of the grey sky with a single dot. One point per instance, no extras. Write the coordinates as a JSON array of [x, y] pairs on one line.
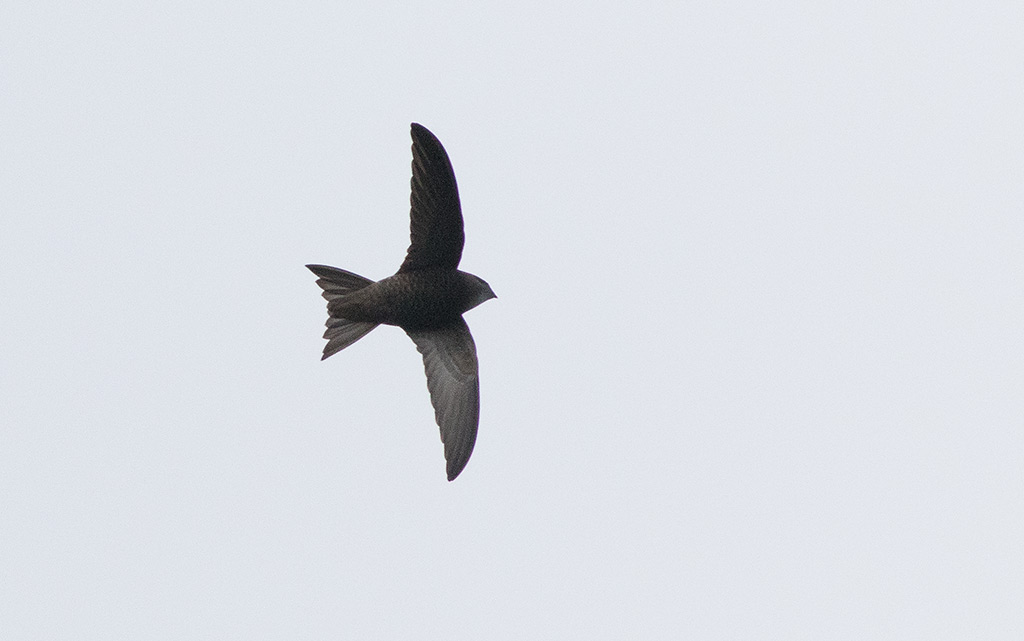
[[755, 370]]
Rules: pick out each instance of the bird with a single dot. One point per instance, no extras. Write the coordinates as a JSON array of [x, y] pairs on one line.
[[426, 297]]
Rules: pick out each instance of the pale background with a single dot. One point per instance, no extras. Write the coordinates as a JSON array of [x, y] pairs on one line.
[[755, 370]]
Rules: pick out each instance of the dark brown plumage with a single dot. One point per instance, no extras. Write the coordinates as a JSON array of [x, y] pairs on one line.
[[426, 298]]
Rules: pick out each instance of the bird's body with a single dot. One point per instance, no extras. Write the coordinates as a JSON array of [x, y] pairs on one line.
[[421, 299], [426, 298]]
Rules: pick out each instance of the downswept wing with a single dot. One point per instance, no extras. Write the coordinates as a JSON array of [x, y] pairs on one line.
[[435, 214], [449, 356]]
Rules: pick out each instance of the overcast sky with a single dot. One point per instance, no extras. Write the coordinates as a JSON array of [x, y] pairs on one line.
[[756, 368]]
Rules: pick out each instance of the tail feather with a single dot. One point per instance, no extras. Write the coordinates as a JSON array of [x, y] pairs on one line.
[[343, 334], [336, 284]]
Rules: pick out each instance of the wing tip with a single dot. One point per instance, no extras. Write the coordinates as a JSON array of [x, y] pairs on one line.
[[454, 471], [459, 458], [422, 135]]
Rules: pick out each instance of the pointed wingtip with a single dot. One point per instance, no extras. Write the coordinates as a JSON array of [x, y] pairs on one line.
[[421, 133], [454, 470]]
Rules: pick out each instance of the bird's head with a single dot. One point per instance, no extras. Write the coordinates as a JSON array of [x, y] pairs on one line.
[[479, 290]]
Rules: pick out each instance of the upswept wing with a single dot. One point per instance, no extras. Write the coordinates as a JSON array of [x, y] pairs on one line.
[[449, 356], [435, 215]]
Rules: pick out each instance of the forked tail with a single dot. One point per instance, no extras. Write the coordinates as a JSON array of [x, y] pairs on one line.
[[338, 283]]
